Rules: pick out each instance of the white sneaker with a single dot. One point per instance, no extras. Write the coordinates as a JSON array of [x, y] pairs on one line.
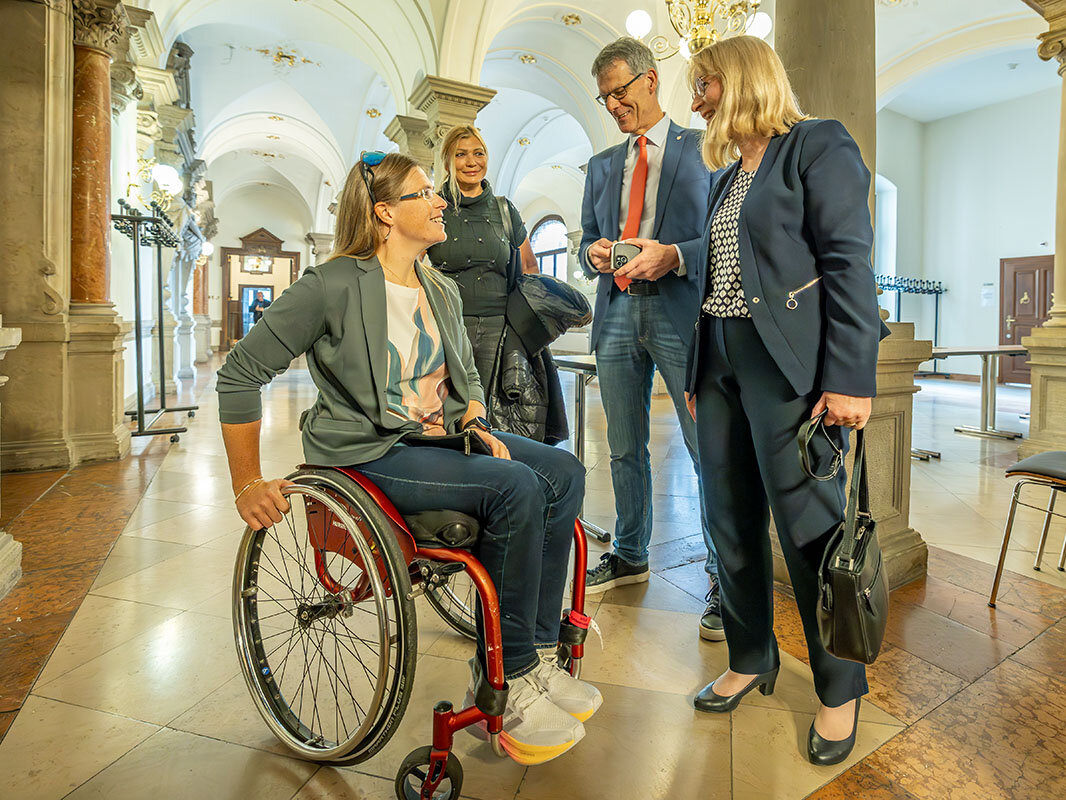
[[535, 730], [575, 697]]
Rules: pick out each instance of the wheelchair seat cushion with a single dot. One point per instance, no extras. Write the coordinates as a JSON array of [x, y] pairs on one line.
[[443, 528]]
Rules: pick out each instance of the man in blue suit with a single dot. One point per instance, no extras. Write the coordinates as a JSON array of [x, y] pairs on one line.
[[652, 191]]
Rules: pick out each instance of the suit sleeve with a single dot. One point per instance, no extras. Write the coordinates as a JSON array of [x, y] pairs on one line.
[[590, 229], [289, 327], [837, 216]]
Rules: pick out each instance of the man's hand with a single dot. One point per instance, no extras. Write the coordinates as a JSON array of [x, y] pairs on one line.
[[652, 262], [842, 409], [599, 254]]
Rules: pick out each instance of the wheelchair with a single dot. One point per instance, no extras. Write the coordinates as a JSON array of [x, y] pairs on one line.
[[325, 628]]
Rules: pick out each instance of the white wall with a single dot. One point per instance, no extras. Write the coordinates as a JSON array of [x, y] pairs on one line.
[[973, 188], [248, 209]]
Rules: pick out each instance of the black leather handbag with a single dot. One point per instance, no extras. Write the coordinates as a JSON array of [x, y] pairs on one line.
[[852, 584]]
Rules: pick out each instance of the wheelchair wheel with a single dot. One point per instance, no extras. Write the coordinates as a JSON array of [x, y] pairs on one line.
[[326, 645], [414, 769], [454, 600]]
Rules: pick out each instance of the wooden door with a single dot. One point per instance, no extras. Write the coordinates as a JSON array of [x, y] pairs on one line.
[[1025, 300], [232, 324]]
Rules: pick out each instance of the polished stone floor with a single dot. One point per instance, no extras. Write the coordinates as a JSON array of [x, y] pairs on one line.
[[118, 677]]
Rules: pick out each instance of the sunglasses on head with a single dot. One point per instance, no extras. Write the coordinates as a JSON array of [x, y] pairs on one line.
[[372, 158]]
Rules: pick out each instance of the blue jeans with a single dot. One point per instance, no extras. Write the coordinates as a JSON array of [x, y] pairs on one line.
[[526, 507], [637, 336]]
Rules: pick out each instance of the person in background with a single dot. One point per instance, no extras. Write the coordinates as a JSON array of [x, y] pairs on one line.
[[653, 191], [258, 306], [789, 328], [386, 347], [486, 251]]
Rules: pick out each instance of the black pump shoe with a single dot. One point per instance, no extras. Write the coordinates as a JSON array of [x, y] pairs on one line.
[[826, 753], [709, 700]]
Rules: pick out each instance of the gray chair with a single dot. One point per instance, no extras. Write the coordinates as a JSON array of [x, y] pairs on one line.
[[1043, 469]]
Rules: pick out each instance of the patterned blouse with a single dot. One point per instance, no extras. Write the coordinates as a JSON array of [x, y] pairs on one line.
[[417, 376], [727, 295]]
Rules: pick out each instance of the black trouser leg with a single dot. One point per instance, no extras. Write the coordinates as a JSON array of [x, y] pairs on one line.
[[748, 416]]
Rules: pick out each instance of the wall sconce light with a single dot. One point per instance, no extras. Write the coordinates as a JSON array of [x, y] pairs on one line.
[[207, 249]]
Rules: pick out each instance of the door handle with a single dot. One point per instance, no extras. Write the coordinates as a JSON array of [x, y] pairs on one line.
[[1010, 325]]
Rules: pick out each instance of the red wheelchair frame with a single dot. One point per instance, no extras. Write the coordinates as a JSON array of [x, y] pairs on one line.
[[446, 721]]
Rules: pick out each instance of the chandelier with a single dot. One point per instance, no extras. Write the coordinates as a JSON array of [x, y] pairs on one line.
[[700, 23]]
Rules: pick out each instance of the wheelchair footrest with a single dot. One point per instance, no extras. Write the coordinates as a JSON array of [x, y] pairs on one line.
[[489, 700], [574, 628]]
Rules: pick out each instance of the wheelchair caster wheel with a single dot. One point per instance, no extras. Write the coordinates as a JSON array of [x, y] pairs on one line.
[[174, 437], [415, 769]]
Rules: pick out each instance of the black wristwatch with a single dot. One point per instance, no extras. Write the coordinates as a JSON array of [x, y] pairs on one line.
[[478, 422]]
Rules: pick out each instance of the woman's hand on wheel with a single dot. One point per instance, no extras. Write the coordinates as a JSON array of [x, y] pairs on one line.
[[844, 410], [498, 448], [690, 401], [263, 504]]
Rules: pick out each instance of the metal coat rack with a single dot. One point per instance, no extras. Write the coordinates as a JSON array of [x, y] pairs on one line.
[[158, 230], [901, 286]]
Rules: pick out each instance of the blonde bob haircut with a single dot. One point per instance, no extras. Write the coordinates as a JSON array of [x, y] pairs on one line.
[[448, 146], [359, 231], [757, 98]]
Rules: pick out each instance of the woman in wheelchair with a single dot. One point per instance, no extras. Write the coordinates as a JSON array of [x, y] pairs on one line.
[[386, 346]]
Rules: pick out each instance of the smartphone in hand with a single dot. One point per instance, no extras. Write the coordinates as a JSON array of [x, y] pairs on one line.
[[622, 253]]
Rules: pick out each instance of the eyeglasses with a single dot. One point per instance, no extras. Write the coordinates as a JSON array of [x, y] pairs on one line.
[[426, 194], [618, 93], [700, 88], [367, 161]]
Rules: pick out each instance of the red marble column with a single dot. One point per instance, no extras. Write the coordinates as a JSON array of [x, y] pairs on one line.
[[90, 185], [199, 286]]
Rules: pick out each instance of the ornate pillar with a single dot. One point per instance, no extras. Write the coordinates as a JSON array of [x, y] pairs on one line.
[[1047, 344], [184, 263], [410, 134], [447, 103], [827, 47], [10, 550], [35, 148], [321, 245], [200, 315], [95, 374]]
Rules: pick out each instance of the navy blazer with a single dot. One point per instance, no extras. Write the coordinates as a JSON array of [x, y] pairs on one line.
[[805, 240], [680, 211]]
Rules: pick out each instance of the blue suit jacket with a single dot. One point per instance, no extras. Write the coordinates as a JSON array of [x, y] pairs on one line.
[[805, 239], [680, 212]]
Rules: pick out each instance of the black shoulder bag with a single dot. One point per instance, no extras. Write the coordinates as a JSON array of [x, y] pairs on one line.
[[852, 584]]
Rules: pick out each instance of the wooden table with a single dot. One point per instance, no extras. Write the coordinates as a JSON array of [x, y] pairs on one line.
[[989, 378]]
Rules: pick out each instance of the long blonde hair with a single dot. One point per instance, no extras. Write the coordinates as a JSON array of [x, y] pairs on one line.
[[757, 97], [359, 232], [449, 144]]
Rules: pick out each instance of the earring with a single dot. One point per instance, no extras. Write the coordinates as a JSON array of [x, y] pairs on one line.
[[388, 233]]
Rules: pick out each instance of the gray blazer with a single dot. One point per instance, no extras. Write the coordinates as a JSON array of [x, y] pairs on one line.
[[336, 314]]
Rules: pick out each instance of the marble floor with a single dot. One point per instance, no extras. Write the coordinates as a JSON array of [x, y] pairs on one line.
[[118, 676]]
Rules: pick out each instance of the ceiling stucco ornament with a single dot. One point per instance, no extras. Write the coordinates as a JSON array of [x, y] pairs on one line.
[[267, 156], [523, 142], [526, 58], [284, 57], [276, 118], [273, 136], [100, 24], [569, 20], [373, 113]]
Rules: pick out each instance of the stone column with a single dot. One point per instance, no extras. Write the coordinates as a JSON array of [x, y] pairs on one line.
[[1047, 344], [95, 375], [321, 245], [202, 319], [36, 69], [410, 134], [10, 550], [447, 103], [827, 47]]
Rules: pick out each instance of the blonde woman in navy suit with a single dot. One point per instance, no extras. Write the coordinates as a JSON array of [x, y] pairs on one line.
[[789, 327]]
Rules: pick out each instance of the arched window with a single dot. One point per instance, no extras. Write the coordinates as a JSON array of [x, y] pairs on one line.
[[549, 246]]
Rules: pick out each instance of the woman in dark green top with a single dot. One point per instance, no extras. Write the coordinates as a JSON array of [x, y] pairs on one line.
[[477, 253]]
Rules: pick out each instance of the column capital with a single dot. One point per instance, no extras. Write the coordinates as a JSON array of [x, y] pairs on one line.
[[321, 243], [1053, 41], [100, 25], [410, 134], [447, 102]]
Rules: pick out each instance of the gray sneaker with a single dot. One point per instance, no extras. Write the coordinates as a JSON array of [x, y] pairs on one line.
[[711, 627], [613, 571]]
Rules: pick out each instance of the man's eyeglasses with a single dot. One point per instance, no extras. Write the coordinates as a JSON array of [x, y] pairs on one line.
[[618, 93], [367, 161], [700, 88]]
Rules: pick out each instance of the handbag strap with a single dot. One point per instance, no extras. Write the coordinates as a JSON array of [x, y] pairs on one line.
[[858, 503], [505, 217], [808, 430]]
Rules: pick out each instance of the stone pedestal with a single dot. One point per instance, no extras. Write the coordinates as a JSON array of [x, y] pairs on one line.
[[409, 133], [201, 333], [888, 454], [183, 345], [447, 103], [169, 326], [95, 375], [10, 550], [1047, 344]]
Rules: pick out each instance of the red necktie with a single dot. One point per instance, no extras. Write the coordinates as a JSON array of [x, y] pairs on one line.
[[636, 201]]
